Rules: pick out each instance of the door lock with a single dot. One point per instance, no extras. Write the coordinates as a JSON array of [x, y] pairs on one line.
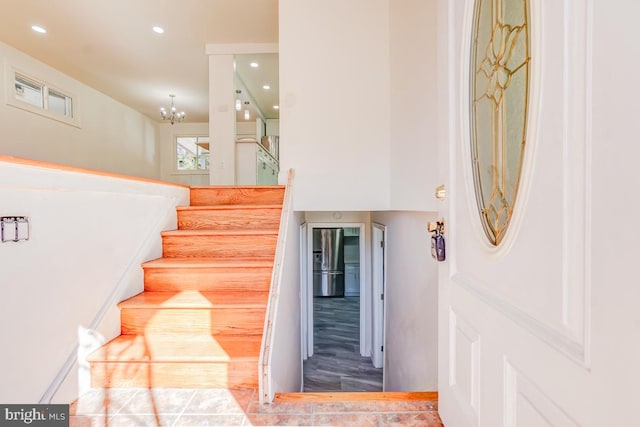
[[437, 239]]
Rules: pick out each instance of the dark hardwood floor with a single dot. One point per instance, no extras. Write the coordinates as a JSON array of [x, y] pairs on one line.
[[336, 364]]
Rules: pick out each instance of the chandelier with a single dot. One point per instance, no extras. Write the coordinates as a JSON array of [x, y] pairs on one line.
[[172, 115]]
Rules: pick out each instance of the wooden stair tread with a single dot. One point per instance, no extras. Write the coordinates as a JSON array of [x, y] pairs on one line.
[[200, 320], [356, 396], [236, 187], [222, 232], [208, 262], [197, 299], [228, 207], [179, 348]]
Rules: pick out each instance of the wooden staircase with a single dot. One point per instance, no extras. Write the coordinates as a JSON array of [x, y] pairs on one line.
[[200, 319]]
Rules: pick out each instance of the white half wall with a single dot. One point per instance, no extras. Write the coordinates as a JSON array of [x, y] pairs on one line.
[[112, 137], [286, 358], [411, 299], [88, 236]]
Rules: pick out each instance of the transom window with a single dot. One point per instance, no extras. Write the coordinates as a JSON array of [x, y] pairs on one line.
[[37, 96], [40, 95]]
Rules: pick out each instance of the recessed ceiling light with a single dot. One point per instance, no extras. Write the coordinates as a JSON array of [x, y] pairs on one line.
[[254, 65], [158, 30], [266, 87], [276, 107], [38, 29]]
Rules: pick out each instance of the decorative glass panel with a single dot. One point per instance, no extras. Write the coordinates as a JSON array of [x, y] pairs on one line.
[[499, 98]]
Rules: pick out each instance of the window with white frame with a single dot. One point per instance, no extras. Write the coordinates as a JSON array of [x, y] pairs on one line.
[[37, 96], [192, 153]]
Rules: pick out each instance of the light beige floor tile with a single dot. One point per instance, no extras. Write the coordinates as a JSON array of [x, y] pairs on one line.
[[219, 401], [348, 420], [158, 401], [189, 420], [101, 402], [362, 406], [416, 419], [277, 420]]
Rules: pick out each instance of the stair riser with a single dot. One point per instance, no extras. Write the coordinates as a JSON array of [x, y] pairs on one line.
[[243, 374], [236, 196], [253, 246], [138, 321], [207, 279], [229, 219]]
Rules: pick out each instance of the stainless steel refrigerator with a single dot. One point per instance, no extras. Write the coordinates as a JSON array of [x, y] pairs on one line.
[[328, 262]]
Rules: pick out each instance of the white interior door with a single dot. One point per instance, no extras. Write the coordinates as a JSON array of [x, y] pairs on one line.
[[538, 330]]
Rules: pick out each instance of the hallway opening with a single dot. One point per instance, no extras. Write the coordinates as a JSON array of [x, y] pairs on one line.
[[337, 310], [336, 364]]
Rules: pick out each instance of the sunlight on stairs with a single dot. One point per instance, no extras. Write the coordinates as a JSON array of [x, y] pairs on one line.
[[200, 319]]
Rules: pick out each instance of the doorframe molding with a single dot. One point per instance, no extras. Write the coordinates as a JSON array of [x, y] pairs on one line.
[[306, 311], [376, 290]]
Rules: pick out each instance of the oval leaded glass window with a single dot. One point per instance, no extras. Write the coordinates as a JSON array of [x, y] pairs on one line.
[[499, 97]]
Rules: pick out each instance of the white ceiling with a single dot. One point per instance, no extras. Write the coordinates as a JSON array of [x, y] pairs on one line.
[[110, 46]]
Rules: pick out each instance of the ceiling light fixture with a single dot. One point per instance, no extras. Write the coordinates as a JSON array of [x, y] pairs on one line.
[[38, 29], [266, 87], [247, 115], [172, 115], [276, 107], [254, 65], [158, 30]]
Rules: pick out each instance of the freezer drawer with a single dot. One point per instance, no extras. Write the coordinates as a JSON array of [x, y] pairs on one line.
[[328, 284]]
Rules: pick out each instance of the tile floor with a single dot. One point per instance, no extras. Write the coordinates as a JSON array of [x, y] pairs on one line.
[[221, 407]]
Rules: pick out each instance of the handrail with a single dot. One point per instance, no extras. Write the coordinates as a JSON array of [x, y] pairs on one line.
[[264, 364]]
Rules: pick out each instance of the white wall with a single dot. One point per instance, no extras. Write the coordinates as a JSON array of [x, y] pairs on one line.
[[89, 235], [358, 113], [334, 102], [411, 298], [167, 137], [112, 136], [413, 36]]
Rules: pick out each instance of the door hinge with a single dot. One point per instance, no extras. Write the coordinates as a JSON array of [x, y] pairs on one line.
[[381, 297], [382, 243], [381, 348]]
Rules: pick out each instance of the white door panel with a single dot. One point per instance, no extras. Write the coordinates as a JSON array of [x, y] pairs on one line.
[[523, 339]]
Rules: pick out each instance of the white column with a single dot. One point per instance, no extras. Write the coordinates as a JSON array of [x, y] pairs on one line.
[[222, 120]]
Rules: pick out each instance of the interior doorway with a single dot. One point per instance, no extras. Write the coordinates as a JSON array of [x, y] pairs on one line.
[[337, 303]]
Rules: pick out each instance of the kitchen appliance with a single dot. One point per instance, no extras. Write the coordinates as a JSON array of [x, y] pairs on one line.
[[328, 262]]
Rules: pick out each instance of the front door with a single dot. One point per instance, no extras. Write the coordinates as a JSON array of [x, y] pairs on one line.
[[540, 155]]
